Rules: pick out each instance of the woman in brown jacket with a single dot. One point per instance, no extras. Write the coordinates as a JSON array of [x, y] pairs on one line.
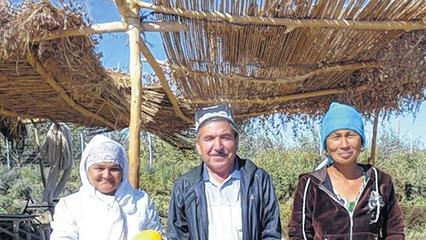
[[344, 199]]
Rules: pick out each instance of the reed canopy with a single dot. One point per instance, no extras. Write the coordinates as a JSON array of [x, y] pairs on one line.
[[295, 57], [262, 57], [63, 79]]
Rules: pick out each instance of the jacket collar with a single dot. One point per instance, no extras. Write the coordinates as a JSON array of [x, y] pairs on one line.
[[321, 174], [246, 167], [235, 172]]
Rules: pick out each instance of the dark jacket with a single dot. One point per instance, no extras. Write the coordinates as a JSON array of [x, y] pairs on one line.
[[317, 214], [260, 209]]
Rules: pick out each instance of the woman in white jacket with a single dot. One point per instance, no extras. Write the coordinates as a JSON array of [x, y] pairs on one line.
[[106, 206]]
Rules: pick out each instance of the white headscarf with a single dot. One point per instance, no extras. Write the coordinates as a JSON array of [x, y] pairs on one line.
[[103, 149]]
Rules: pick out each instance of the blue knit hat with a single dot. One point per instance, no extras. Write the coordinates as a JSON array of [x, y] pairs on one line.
[[340, 116]]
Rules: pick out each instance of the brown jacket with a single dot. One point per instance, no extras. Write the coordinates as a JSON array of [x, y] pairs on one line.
[[318, 214]]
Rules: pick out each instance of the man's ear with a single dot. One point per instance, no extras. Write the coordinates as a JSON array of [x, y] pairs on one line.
[[197, 146]]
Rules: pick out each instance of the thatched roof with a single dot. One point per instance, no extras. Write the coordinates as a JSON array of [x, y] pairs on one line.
[[296, 56], [63, 79], [286, 56]]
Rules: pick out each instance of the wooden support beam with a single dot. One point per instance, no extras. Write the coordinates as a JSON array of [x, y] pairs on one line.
[[256, 114], [37, 140], [130, 13], [372, 158], [289, 79], [48, 77], [160, 74], [85, 30], [289, 23], [123, 8], [275, 100], [159, 62], [34, 120], [164, 27], [8, 113], [113, 27]]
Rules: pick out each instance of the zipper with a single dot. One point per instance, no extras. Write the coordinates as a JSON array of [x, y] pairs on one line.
[[245, 183], [356, 203], [332, 196], [203, 209]]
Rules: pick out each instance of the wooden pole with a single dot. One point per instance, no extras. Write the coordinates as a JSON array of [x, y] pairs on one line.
[[7, 152], [288, 22], [163, 81], [372, 158], [136, 96], [85, 30], [279, 99], [37, 140], [112, 27], [289, 79]]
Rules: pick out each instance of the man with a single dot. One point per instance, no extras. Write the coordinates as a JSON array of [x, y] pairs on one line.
[[225, 197]]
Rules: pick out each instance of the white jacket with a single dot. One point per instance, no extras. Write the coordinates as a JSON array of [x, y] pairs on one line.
[[92, 215], [81, 217]]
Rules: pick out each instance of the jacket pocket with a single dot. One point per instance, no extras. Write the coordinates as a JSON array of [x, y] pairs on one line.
[[355, 236], [365, 235], [335, 237]]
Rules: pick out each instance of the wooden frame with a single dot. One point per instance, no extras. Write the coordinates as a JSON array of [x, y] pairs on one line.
[[113, 27], [291, 24], [281, 80], [280, 99]]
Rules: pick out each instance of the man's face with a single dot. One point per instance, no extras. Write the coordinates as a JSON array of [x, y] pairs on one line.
[[217, 146], [105, 177]]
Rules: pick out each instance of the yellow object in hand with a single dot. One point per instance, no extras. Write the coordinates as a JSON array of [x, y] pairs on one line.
[[148, 235]]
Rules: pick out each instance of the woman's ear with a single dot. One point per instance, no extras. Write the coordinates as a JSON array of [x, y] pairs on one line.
[[324, 150]]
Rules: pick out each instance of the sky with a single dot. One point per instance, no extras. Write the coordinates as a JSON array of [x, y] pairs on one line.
[[115, 54]]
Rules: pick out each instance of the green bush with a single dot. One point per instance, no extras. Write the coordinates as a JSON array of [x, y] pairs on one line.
[[17, 185], [407, 168], [285, 168], [158, 179]]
